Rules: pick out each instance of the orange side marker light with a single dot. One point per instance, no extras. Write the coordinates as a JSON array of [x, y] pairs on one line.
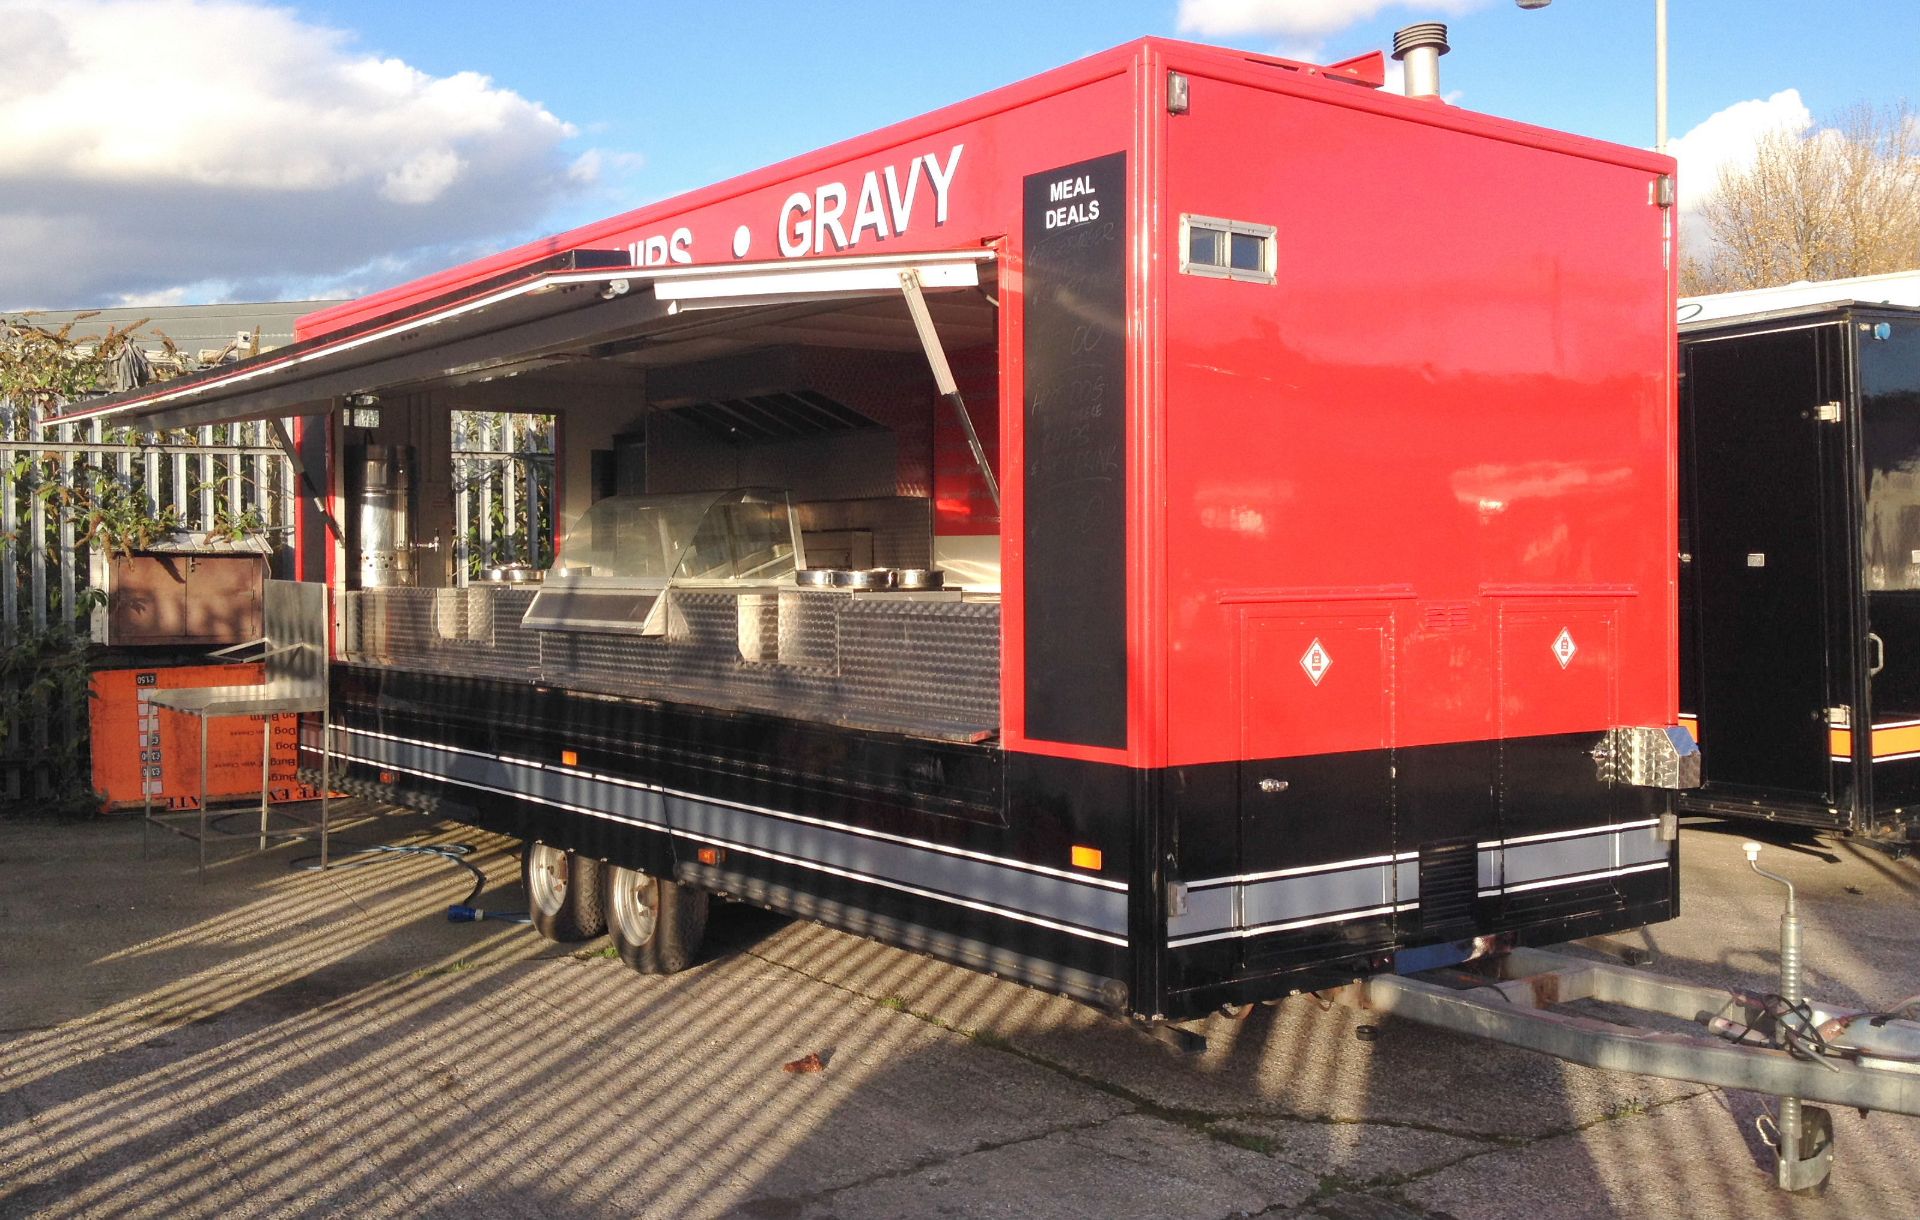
[[1086, 857]]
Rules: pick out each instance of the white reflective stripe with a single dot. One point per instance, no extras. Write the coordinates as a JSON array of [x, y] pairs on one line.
[[1575, 879], [1047, 901], [1289, 925], [642, 786], [1526, 857], [678, 280], [1548, 857], [903, 887], [1610, 828], [746, 849], [1314, 895], [1302, 871], [431, 745], [800, 280]]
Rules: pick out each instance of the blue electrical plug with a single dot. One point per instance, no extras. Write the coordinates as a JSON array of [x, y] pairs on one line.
[[458, 913]]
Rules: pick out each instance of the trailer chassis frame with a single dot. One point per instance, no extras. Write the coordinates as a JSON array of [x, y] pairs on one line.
[[1871, 1060]]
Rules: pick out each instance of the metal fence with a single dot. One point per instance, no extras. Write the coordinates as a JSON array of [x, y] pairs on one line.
[[502, 491], [59, 483]]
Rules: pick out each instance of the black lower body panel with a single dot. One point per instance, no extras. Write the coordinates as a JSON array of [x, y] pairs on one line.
[[1472, 846], [901, 839], [1205, 891]]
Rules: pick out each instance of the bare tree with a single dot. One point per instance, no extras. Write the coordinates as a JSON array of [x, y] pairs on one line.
[[1824, 204]]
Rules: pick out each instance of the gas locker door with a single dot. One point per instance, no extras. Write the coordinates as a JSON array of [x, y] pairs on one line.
[[1770, 506], [1317, 843], [1557, 695]]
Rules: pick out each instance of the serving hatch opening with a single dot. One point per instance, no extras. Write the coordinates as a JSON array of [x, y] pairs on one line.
[[701, 459]]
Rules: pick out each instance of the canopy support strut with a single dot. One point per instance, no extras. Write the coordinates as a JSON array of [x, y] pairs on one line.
[[943, 375], [285, 442]]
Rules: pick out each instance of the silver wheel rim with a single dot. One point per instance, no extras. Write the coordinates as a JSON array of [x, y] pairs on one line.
[[546, 878], [635, 906]]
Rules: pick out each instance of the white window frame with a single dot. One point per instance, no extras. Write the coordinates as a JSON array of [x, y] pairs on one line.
[[1227, 229]]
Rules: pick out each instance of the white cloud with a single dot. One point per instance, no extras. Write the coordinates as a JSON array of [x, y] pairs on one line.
[[150, 148], [1301, 52], [586, 167], [1301, 19], [590, 167], [177, 295], [1726, 139]]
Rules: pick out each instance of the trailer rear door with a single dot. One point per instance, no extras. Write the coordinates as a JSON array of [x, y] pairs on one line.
[[1770, 521], [1889, 378]]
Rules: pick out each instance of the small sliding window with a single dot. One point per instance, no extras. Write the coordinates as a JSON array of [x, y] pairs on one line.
[[1226, 249]]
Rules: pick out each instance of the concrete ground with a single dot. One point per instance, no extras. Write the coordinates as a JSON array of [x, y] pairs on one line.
[[279, 1042]]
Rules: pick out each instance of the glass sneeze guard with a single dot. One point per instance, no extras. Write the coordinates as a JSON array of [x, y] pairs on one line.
[[619, 559]]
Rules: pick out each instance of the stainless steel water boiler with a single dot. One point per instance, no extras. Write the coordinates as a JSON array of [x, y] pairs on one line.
[[386, 518]]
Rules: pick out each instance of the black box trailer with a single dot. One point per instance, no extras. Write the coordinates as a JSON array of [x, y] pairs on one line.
[[1800, 566]]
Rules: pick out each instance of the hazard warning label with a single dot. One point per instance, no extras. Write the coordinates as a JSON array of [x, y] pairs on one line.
[[1315, 661], [1564, 648]]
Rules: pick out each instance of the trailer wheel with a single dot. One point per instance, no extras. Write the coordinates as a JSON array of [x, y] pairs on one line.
[[563, 892], [656, 925]]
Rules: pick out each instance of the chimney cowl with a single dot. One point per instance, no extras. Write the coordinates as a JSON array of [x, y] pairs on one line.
[[1419, 47], [1425, 34]]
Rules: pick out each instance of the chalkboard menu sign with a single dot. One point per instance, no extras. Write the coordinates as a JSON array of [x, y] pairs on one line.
[[1076, 453]]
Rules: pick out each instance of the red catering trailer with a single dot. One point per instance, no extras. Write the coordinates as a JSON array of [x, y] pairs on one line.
[[1294, 460]]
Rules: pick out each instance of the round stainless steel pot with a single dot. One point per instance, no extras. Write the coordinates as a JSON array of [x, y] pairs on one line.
[[513, 574], [863, 578], [919, 578]]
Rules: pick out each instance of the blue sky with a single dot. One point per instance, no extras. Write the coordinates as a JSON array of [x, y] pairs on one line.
[[193, 150], [702, 91]]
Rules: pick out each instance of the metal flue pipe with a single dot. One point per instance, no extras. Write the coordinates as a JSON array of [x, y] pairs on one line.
[[1419, 48]]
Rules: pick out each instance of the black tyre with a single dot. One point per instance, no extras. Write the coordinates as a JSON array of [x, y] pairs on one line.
[[656, 925], [563, 892]]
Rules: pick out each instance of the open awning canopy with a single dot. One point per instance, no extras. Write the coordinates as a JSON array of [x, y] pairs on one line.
[[566, 305]]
